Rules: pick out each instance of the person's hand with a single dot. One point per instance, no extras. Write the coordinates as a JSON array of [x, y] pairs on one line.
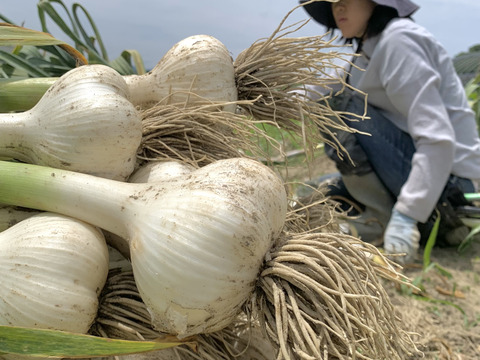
[[401, 236]]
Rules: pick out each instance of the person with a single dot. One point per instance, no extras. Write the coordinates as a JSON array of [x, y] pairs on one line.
[[418, 150]]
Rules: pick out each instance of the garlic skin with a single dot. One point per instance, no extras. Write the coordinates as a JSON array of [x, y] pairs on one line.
[[198, 69], [149, 172], [216, 226], [84, 122], [160, 171], [53, 268]]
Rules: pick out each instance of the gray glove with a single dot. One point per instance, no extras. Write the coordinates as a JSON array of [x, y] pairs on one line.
[[402, 236]]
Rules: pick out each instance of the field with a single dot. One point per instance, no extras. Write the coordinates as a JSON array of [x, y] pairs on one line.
[[445, 314]]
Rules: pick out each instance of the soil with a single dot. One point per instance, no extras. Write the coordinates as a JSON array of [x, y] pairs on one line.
[[444, 316]]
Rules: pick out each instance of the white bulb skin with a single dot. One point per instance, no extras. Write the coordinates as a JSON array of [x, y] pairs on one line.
[[53, 268]]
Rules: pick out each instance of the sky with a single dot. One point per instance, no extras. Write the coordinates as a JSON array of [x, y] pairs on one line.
[[152, 27]]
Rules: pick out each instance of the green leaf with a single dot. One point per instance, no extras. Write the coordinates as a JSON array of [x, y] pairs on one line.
[[11, 35], [469, 239], [134, 55], [432, 238], [5, 19], [21, 64], [59, 56], [87, 38], [86, 45], [123, 63], [60, 344], [45, 7], [443, 302]]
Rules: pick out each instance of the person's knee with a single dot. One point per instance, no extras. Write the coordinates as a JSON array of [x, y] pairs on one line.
[[351, 160]]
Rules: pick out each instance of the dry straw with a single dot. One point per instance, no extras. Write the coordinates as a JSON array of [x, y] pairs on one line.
[[199, 134]]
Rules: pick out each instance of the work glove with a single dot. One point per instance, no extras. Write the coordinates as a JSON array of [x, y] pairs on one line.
[[401, 236]]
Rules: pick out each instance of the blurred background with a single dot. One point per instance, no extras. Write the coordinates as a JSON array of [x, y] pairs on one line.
[[152, 26]]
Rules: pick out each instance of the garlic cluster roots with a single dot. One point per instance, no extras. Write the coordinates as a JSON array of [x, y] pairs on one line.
[[320, 296]]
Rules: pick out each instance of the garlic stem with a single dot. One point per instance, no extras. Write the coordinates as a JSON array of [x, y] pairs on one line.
[[65, 192], [198, 69], [22, 95]]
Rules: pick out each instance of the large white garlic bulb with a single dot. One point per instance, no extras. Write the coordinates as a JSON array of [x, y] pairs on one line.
[[53, 268]]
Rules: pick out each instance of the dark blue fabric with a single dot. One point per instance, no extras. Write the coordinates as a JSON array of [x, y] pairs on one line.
[[388, 149]]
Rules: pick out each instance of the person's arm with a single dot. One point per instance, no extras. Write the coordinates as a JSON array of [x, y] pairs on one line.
[[413, 86]]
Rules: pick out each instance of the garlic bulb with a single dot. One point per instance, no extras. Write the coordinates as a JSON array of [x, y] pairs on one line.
[[198, 69], [53, 269], [83, 123], [160, 171], [197, 242]]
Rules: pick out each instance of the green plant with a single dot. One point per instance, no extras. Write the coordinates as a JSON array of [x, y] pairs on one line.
[[430, 243], [60, 344], [472, 88], [469, 324], [53, 60]]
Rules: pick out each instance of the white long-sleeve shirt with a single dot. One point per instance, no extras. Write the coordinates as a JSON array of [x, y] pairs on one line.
[[409, 75]]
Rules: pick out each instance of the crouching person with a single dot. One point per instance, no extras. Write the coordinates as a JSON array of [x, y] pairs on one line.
[[423, 149]]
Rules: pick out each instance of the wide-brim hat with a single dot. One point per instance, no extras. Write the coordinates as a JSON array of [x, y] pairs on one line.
[[321, 11]]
